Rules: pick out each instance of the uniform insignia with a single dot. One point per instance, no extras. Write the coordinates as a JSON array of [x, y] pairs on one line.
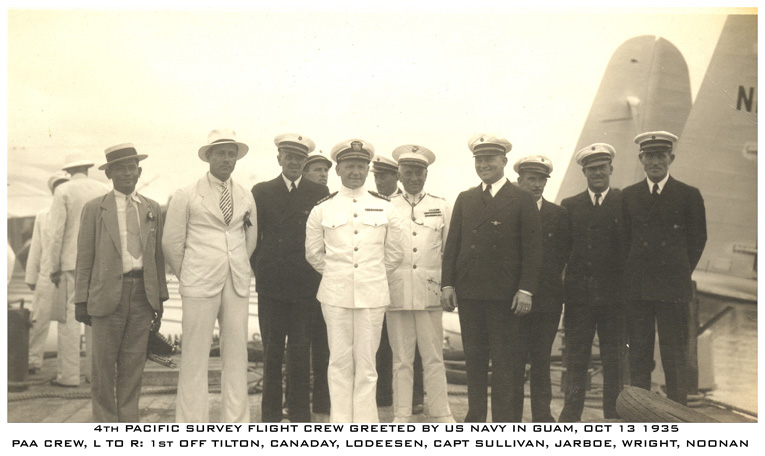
[[415, 148], [374, 209], [356, 145], [326, 198], [378, 195], [433, 212], [495, 222]]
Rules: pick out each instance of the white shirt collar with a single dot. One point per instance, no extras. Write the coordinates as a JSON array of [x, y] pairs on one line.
[[495, 186], [602, 195], [351, 192], [215, 181], [661, 183], [133, 196], [539, 203], [288, 182]]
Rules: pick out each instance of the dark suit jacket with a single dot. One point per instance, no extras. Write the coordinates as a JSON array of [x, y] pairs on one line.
[[493, 250], [281, 271], [664, 238], [555, 249], [98, 277], [595, 264]]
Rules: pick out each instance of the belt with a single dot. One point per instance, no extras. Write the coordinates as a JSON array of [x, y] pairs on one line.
[[135, 274]]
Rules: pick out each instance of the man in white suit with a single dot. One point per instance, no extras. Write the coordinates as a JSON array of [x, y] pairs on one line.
[[64, 222], [210, 233]]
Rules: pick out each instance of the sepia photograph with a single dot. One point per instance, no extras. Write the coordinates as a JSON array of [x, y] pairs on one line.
[[394, 213]]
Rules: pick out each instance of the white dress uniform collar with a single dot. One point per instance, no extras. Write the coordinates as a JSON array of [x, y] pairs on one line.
[[602, 195], [661, 183], [352, 192], [495, 186]]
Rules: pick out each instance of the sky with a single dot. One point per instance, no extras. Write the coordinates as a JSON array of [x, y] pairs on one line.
[[162, 79]]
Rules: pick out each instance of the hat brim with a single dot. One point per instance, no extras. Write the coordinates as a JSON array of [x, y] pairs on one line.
[[78, 164], [597, 162], [318, 159], [241, 147], [138, 156]]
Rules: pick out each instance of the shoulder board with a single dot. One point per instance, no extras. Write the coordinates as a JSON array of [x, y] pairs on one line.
[[326, 198], [379, 195], [434, 196]]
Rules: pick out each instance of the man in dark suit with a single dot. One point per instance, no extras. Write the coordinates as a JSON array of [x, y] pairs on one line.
[[491, 266], [120, 231], [285, 282], [591, 285], [533, 172], [665, 233]]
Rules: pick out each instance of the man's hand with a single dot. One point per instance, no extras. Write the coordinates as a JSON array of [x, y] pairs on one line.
[[55, 277], [81, 313], [157, 322], [32, 286], [521, 303], [448, 299]]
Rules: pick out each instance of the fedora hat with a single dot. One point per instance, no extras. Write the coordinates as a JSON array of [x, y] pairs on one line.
[[121, 152], [222, 136], [76, 160]]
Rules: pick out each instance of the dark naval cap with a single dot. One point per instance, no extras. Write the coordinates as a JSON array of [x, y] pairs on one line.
[[656, 141], [595, 155], [535, 164], [353, 148], [295, 143]]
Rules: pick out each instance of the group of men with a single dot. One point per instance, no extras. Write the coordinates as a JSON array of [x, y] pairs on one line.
[[330, 268]]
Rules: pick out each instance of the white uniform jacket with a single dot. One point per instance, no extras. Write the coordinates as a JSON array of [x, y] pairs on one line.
[[201, 249], [64, 219], [353, 239], [416, 284], [38, 261]]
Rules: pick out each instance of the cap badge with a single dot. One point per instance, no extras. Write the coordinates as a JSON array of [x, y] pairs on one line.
[[300, 138], [593, 147], [415, 148], [356, 145], [495, 222]]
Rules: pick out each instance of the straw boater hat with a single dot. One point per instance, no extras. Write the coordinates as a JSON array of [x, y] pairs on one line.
[[121, 152], [222, 136]]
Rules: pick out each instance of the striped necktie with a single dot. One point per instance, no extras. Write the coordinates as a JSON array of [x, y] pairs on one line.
[[225, 204]]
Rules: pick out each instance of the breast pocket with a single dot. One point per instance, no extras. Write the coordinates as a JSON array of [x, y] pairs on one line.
[[375, 226], [434, 226]]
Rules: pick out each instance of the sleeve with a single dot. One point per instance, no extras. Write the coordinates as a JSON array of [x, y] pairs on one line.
[[697, 228], [174, 235], [57, 225], [35, 251], [452, 246], [251, 232], [314, 240], [531, 244], [159, 256], [86, 252], [394, 248]]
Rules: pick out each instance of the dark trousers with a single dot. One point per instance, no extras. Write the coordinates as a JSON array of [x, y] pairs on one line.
[[671, 318], [319, 361], [580, 323], [384, 359], [490, 331], [292, 320], [543, 327], [119, 355]]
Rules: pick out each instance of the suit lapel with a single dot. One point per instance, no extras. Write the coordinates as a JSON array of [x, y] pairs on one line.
[[143, 216], [497, 204], [239, 198], [204, 190], [109, 218]]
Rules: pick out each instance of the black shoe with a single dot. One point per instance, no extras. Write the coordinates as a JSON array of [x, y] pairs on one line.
[[417, 409]]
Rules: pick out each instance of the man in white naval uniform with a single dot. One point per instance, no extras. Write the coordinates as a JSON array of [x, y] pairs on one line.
[[414, 315], [38, 280], [64, 222], [210, 233], [353, 238]]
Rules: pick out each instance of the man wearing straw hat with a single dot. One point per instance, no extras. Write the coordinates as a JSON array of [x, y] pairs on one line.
[[120, 231], [38, 280], [210, 233], [64, 222]]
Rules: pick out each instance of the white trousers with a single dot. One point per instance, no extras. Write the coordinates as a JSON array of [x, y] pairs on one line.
[[68, 357], [198, 322], [423, 329], [43, 300], [354, 337]]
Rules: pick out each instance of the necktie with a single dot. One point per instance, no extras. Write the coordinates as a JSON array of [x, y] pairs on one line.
[[292, 186], [133, 229], [225, 204], [597, 199], [655, 190], [487, 194]]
